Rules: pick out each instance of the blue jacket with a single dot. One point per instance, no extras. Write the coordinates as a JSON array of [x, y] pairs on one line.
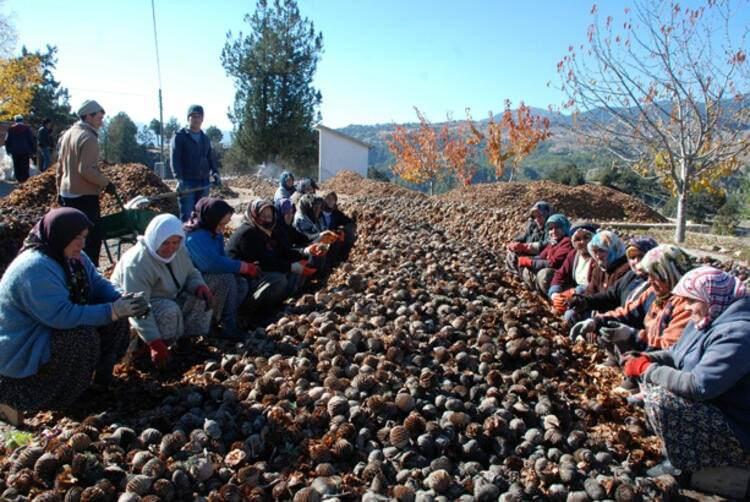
[[192, 160], [34, 301], [712, 366], [208, 255]]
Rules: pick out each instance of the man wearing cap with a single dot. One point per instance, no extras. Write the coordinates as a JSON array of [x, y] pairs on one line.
[[193, 162], [79, 180], [20, 145]]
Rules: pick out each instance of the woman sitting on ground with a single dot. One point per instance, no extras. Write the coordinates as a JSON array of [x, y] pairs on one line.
[[307, 221], [223, 275], [573, 276], [335, 220], [537, 271], [655, 319], [286, 187], [257, 240], [697, 393], [610, 264], [61, 322], [628, 287], [532, 240], [159, 266]]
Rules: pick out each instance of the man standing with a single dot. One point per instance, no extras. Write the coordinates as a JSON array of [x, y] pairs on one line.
[[193, 162], [44, 136], [79, 179], [20, 145]]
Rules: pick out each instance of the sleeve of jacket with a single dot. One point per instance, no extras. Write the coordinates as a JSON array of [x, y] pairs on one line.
[[564, 274], [306, 228], [46, 298], [102, 291], [605, 300], [135, 279], [208, 255], [212, 167], [675, 328], [175, 148], [631, 314], [88, 158]]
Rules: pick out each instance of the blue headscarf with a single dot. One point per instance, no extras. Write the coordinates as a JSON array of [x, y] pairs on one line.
[[606, 239], [282, 180], [560, 221], [284, 206]]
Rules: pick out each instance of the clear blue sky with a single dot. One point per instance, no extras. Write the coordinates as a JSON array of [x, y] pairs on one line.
[[381, 57]]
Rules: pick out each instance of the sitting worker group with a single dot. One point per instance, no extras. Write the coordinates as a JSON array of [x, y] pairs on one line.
[[63, 325], [680, 333]]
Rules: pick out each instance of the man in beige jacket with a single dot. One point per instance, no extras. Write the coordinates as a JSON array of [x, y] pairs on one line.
[[79, 180]]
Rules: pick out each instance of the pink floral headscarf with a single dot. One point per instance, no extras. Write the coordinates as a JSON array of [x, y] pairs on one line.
[[713, 287]]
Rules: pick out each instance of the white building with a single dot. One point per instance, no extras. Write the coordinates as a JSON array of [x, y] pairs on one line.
[[339, 152]]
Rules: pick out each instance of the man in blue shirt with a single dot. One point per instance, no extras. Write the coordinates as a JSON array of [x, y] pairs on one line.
[[193, 162]]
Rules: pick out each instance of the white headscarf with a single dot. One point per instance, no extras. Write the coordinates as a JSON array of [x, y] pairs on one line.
[[161, 228]]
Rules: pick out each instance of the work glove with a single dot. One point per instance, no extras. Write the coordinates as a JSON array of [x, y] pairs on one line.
[[317, 249], [205, 294], [578, 302], [560, 300], [216, 179], [110, 188], [340, 234], [637, 366], [250, 269], [582, 328], [627, 356], [525, 261], [308, 271], [130, 305], [328, 237], [159, 353], [616, 332]]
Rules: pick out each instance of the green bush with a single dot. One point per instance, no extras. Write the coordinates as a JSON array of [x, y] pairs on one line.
[[727, 218]]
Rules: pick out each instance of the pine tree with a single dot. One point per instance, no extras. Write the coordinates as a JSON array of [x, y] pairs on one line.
[[273, 66]]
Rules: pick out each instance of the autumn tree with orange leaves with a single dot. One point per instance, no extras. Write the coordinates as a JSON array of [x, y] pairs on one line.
[[512, 138], [428, 153], [665, 88]]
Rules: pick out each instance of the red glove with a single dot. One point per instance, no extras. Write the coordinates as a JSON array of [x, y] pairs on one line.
[[636, 366], [522, 248], [340, 235], [318, 249], [308, 271], [159, 353], [559, 303], [204, 293], [249, 269], [525, 261]]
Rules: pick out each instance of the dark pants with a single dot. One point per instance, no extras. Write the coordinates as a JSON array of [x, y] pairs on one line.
[[89, 205], [21, 167], [189, 200], [45, 154]]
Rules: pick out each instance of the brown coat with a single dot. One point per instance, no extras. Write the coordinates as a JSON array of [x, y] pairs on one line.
[[600, 280], [77, 172]]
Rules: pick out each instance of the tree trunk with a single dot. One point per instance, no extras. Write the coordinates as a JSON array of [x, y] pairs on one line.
[[679, 234]]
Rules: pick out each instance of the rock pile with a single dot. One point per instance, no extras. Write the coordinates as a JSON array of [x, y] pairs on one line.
[[419, 372]]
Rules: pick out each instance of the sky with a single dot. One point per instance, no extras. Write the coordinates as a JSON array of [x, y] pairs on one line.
[[381, 57]]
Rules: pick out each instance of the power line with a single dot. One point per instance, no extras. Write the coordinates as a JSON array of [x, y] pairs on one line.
[[158, 72]]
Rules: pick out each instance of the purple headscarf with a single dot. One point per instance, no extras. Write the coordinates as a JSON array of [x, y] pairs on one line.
[[208, 213]]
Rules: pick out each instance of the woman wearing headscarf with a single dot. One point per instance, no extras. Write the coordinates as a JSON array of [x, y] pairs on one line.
[[697, 393], [257, 240], [628, 287], [532, 240], [335, 220], [307, 221], [655, 319], [573, 276], [159, 267], [286, 187], [285, 213], [225, 276], [61, 322], [537, 271]]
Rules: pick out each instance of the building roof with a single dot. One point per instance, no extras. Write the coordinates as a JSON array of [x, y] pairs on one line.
[[321, 127]]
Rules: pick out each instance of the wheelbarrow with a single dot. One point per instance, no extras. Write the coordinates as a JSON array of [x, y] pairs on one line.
[[131, 221]]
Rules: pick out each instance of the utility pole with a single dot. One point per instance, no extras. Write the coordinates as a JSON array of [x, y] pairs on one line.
[[161, 104]]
